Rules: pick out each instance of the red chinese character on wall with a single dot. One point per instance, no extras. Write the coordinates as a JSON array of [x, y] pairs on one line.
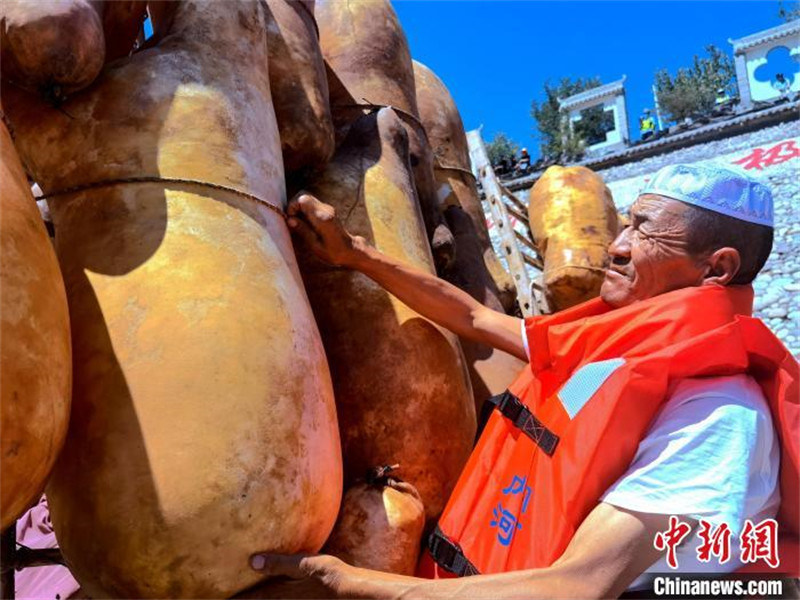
[[669, 539], [716, 542], [759, 158], [760, 542]]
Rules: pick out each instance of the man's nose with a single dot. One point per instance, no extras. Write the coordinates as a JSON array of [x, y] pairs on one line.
[[620, 248]]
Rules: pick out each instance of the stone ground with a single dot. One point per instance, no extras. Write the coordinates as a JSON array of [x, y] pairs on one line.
[[777, 287]]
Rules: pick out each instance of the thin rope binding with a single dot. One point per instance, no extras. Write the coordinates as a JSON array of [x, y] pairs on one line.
[[153, 179]]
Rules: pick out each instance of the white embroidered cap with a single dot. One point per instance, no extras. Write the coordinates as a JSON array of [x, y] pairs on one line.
[[720, 188]]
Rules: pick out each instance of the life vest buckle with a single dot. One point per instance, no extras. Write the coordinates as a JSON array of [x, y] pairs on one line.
[[513, 409], [449, 555]]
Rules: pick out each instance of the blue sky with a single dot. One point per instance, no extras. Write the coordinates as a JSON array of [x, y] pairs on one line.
[[495, 55]]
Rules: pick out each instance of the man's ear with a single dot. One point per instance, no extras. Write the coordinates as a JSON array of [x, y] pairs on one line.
[[722, 266]]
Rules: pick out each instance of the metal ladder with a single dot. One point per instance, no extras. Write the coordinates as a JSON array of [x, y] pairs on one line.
[[518, 248]]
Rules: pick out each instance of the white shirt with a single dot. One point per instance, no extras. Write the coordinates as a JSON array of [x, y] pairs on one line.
[[711, 453]]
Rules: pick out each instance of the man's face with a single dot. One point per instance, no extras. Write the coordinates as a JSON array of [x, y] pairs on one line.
[[650, 256]]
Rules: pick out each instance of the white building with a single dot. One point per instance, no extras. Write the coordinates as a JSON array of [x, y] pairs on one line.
[[611, 97], [753, 52]]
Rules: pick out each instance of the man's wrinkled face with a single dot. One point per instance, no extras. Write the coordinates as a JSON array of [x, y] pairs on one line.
[[650, 256]]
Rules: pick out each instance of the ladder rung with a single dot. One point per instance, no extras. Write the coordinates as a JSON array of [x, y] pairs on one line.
[[518, 215], [533, 261]]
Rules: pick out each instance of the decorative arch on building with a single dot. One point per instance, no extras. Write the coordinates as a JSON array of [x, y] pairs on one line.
[[760, 57], [611, 97]]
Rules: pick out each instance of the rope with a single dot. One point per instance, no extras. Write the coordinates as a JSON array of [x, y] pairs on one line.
[[442, 167], [374, 107], [584, 267], [147, 179]]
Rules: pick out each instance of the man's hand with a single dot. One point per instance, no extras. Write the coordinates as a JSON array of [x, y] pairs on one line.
[[328, 577], [610, 549], [441, 302], [316, 223], [322, 574], [306, 576]]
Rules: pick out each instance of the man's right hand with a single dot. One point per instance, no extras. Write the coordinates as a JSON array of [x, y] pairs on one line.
[[441, 302], [318, 226]]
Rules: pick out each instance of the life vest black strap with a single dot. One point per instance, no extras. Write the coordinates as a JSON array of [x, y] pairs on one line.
[[515, 411], [449, 555]]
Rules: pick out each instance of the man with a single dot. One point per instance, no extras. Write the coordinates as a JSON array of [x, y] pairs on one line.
[[523, 165], [782, 85], [722, 97], [642, 403], [647, 125]]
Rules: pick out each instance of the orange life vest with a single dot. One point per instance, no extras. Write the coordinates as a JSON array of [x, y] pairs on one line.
[[570, 425]]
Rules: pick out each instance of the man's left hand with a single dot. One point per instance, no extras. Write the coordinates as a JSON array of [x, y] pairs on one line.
[[328, 577], [610, 549], [317, 576]]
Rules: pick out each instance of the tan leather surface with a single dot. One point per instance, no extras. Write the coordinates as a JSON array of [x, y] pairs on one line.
[[442, 121], [367, 50], [476, 269], [441, 118], [573, 221], [299, 85], [402, 392], [369, 62], [122, 22], [35, 357], [203, 425], [53, 47], [379, 527]]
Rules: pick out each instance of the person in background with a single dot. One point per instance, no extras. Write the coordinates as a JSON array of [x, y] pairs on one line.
[[723, 103], [511, 164], [524, 163], [499, 167], [647, 125], [782, 85]]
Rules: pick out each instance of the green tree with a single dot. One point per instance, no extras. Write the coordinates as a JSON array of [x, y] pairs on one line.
[[789, 14], [556, 142], [594, 124], [501, 147], [692, 91]]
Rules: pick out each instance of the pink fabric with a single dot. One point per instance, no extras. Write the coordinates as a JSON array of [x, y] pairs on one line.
[[55, 582]]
